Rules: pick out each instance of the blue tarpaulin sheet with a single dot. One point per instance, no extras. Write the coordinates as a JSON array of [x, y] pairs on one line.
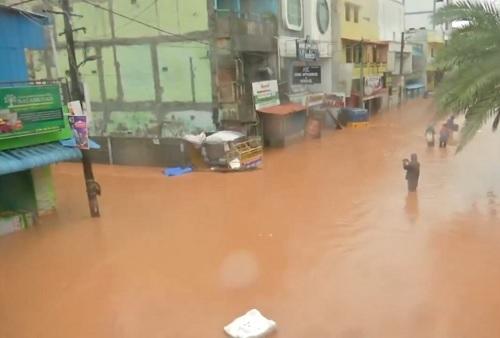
[[177, 171], [71, 142], [20, 159]]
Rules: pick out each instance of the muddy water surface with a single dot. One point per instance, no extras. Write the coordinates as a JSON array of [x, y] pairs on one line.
[[324, 240]]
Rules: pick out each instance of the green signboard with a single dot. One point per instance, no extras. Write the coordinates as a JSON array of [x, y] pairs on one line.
[[30, 110]]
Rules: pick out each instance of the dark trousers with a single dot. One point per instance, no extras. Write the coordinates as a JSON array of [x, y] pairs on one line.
[[442, 144], [412, 185]]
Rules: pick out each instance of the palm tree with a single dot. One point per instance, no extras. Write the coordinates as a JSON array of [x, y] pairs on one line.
[[471, 60]]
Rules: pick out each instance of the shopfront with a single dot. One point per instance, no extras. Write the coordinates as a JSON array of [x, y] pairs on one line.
[[32, 125], [375, 93]]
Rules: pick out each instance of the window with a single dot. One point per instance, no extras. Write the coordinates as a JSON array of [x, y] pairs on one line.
[[348, 54], [374, 54], [347, 11], [351, 12], [432, 52], [356, 14], [357, 54], [323, 15], [293, 15]]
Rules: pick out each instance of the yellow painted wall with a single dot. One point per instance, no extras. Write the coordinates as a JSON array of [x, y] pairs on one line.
[[367, 27], [435, 37], [370, 69]]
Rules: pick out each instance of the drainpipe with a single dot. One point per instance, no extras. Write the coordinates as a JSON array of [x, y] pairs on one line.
[[362, 76], [401, 76]]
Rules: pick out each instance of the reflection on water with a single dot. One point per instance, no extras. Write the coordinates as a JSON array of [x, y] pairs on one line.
[[492, 202], [321, 240], [411, 207]]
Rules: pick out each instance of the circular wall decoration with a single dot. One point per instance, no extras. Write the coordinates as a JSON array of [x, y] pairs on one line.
[[323, 15]]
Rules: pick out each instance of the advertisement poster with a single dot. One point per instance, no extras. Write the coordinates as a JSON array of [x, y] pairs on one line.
[[80, 131], [265, 94], [303, 75], [373, 85], [30, 110], [335, 100]]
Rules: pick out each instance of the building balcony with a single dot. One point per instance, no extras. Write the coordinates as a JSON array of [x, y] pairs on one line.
[[247, 32]]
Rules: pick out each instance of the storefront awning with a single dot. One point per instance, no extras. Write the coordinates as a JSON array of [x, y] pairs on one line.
[[20, 159], [283, 109], [414, 86]]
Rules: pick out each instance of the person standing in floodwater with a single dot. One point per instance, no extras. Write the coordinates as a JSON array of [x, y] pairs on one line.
[[412, 168], [444, 135]]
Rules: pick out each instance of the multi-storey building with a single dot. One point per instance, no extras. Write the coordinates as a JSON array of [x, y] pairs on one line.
[[428, 38], [391, 22], [364, 54], [260, 40]]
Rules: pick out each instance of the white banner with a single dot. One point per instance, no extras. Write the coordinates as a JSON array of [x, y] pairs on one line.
[[265, 94]]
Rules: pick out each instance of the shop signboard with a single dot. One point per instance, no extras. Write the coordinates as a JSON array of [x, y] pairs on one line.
[[30, 110], [373, 85], [265, 94], [335, 100], [307, 50], [303, 75]]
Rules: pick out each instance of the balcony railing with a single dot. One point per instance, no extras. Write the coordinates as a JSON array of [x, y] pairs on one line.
[[370, 69]]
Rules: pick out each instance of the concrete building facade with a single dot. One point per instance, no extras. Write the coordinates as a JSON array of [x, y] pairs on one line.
[[262, 45], [364, 54], [418, 14], [145, 78], [317, 29]]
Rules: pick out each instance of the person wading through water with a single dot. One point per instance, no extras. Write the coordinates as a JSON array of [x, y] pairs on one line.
[[412, 168], [444, 135]]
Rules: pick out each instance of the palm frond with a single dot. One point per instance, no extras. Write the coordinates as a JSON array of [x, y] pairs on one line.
[[471, 59], [468, 10], [494, 125], [477, 115]]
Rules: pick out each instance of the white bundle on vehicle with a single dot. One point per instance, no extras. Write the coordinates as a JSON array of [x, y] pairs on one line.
[[196, 140], [223, 136], [251, 325]]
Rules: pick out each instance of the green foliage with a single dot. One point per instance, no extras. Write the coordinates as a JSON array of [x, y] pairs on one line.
[[471, 59]]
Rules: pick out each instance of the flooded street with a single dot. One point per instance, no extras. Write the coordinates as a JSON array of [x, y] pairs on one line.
[[324, 240]]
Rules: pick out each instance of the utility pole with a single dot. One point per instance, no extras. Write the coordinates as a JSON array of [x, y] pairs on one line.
[[93, 188], [362, 75], [401, 69], [433, 14], [213, 58]]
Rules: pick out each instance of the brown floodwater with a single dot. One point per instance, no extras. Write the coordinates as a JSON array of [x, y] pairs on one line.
[[324, 240]]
